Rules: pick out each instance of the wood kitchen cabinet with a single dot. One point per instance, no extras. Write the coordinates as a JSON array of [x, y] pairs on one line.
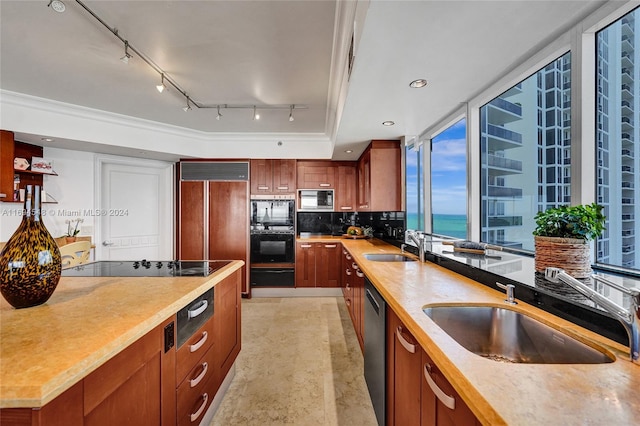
[[379, 174], [353, 292], [316, 174], [412, 398], [345, 199], [227, 324], [318, 264], [272, 176]]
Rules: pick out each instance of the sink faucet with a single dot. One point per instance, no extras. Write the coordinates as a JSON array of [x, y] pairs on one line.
[[418, 241], [630, 319]]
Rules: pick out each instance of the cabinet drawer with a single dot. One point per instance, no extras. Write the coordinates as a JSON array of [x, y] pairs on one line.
[[193, 316], [197, 382], [193, 349], [200, 404]]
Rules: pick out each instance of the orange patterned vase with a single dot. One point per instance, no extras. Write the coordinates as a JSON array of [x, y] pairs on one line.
[[30, 261]]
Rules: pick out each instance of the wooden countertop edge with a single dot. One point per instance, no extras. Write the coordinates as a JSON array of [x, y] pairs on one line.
[[50, 390], [476, 401]]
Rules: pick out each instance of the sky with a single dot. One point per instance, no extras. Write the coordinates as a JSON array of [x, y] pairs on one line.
[[449, 170]]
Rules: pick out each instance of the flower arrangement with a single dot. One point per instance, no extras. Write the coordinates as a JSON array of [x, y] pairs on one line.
[[72, 227]]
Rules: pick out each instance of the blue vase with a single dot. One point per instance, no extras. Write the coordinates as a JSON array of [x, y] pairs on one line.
[[30, 263]]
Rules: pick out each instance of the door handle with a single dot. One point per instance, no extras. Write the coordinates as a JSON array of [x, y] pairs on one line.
[[107, 243]]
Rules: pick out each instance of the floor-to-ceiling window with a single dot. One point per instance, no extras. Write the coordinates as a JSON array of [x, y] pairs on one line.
[[414, 185], [449, 181], [618, 140], [525, 142]]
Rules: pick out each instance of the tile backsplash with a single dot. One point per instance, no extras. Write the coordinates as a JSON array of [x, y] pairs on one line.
[[386, 225]]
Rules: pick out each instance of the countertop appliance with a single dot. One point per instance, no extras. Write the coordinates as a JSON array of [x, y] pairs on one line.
[[146, 268], [375, 362]]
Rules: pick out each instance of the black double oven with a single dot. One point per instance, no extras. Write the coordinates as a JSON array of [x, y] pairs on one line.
[[272, 241]]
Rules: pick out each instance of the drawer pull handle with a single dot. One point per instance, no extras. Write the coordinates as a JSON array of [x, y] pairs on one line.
[[197, 311], [354, 266], [411, 348], [346, 208], [348, 302], [198, 345], [348, 271], [263, 187], [205, 399], [359, 274], [330, 246], [194, 382], [283, 188], [448, 401], [305, 245], [349, 257], [325, 185]]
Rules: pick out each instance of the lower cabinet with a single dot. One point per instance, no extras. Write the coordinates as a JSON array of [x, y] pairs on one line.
[[318, 264], [147, 385], [353, 292], [417, 392]]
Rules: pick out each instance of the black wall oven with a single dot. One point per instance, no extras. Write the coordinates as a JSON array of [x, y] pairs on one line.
[[272, 241]]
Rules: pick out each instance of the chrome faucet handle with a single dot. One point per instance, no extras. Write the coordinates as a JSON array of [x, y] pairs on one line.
[[402, 247], [510, 289]]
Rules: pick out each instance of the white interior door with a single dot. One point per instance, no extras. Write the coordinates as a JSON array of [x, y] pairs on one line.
[[134, 199]]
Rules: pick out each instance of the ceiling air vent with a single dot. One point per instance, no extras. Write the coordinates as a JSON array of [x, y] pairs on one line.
[[214, 170]]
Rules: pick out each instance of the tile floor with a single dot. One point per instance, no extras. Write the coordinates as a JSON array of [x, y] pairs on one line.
[[300, 364]]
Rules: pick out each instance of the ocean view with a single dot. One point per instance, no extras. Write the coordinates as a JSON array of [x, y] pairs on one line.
[[451, 225]]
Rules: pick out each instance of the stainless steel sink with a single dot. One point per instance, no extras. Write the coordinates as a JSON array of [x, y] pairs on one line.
[[504, 335], [382, 257]]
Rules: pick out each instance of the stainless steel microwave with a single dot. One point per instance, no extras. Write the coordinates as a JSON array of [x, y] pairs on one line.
[[315, 200]]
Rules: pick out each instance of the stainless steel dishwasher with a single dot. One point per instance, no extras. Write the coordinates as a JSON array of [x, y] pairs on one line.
[[375, 360]]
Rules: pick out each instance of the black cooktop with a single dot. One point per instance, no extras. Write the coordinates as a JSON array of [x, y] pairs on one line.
[[146, 268]]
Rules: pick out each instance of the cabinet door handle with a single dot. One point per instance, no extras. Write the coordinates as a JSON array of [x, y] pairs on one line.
[[354, 266], [349, 256], [347, 271], [192, 313], [448, 401], [325, 185], [346, 208], [205, 399], [330, 246], [411, 348], [283, 188], [198, 345], [263, 187], [305, 245], [194, 382], [359, 274]]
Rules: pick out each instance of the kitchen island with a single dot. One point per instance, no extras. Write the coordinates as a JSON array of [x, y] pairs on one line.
[[49, 350], [502, 393]]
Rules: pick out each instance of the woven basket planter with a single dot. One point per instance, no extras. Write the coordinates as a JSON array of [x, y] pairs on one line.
[[570, 254]]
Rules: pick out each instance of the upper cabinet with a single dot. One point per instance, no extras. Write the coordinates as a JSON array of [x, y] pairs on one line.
[[273, 177], [12, 180], [345, 197], [379, 177], [316, 175]]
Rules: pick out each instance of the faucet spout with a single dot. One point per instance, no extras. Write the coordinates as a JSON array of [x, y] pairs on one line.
[[419, 242], [630, 319]]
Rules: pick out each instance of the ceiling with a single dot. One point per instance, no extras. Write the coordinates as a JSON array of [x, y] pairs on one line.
[[274, 54]]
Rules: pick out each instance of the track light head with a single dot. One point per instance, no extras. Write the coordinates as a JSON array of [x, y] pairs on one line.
[[291, 113], [161, 86], [219, 116], [256, 116], [187, 107], [127, 56]]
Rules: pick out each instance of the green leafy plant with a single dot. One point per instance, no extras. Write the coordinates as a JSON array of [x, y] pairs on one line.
[[584, 222]]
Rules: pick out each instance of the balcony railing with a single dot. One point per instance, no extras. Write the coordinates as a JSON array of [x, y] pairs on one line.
[[503, 191], [628, 248], [504, 163], [628, 232], [627, 201], [507, 106], [627, 169], [504, 221], [628, 216], [628, 185], [626, 87], [627, 153], [502, 133]]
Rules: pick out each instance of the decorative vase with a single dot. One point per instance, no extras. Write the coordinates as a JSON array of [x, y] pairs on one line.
[[570, 254], [30, 263], [70, 240]]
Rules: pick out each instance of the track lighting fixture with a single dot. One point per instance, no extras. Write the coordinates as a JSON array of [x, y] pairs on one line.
[[126, 56], [161, 86], [166, 80]]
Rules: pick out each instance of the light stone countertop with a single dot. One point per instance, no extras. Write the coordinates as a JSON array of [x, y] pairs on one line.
[[502, 393], [46, 349]]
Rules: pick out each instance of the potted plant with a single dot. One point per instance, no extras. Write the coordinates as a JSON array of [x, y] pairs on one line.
[[72, 229], [562, 236]]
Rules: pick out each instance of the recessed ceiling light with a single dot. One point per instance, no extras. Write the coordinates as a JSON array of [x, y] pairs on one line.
[[388, 123], [47, 139], [349, 151], [57, 5], [421, 82]]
